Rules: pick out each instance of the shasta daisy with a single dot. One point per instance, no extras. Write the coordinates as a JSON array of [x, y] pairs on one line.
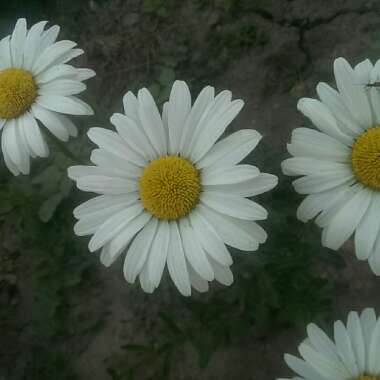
[[352, 355], [37, 84], [170, 191], [340, 161]]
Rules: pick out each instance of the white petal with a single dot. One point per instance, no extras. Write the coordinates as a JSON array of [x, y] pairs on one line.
[[8, 161], [355, 332], [113, 143], [313, 204], [214, 128], [178, 110], [296, 166], [64, 104], [133, 135], [48, 37], [139, 250], [363, 70], [33, 135], [176, 261], [258, 185], [231, 205], [197, 282], [200, 105], [214, 107], [354, 96], [228, 174], [241, 234], [345, 351], [17, 42], [374, 350], [223, 273], [321, 342], [151, 121], [333, 101], [62, 87], [56, 72], [368, 322], [307, 142], [232, 149], [109, 185], [89, 223], [102, 202], [322, 118], [114, 163], [52, 121], [83, 74], [324, 365], [345, 221], [302, 368], [11, 143], [5, 53], [113, 226], [316, 183], [159, 253], [79, 171], [107, 258], [209, 239], [368, 229], [23, 148], [32, 44], [333, 205], [51, 55], [194, 252], [126, 234], [374, 259], [69, 56], [146, 285], [131, 106]]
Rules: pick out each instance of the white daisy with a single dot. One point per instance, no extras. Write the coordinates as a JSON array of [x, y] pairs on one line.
[[36, 84], [353, 355], [340, 163], [170, 191]]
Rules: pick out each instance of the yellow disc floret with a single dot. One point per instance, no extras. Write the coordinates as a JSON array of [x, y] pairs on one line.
[[169, 187], [365, 158], [17, 92], [367, 377]]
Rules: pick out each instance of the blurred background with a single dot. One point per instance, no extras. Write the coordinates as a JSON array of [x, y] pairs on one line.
[[63, 315]]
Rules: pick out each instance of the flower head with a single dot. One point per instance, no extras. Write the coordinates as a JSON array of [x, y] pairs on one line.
[[37, 84], [352, 355], [171, 191], [340, 161]]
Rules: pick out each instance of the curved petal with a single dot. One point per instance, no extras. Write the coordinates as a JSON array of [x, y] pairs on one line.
[[139, 250], [179, 107], [231, 150]]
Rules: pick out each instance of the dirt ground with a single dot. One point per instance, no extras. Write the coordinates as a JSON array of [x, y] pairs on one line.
[[296, 44]]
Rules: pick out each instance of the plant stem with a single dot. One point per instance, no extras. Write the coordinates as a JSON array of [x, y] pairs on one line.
[[66, 152]]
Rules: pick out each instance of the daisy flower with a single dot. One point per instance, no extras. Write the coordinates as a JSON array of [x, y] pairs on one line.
[[352, 355], [36, 85], [170, 191], [340, 162]]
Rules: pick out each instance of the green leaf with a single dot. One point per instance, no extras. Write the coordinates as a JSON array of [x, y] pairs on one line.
[[48, 208]]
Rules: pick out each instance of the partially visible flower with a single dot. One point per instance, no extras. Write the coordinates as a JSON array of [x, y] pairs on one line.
[[352, 355], [37, 84], [340, 162], [170, 191]]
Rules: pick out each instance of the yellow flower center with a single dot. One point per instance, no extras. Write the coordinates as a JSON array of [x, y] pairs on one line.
[[367, 377], [17, 92], [365, 158], [170, 187]]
